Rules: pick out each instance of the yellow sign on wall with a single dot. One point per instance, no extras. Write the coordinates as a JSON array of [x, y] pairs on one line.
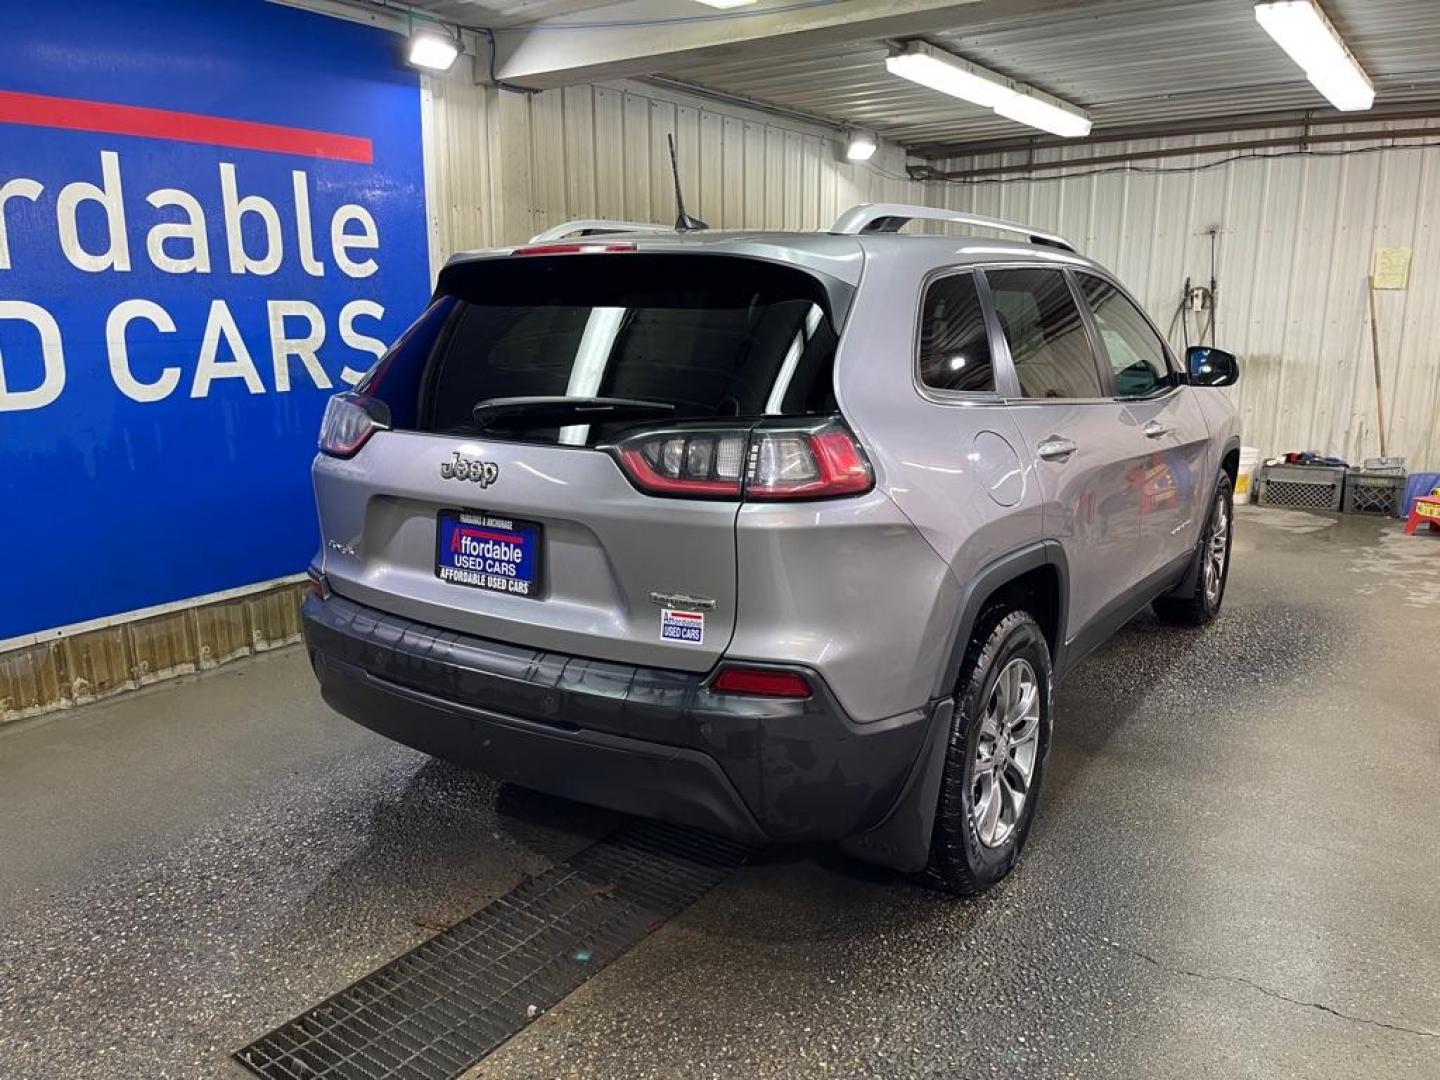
[[1392, 268]]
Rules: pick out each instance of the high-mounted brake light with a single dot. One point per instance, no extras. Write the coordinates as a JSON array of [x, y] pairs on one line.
[[772, 461], [572, 249], [761, 682], [350, 420]]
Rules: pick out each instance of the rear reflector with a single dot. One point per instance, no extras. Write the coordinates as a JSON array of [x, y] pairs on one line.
[[572, 249], [761, 682]]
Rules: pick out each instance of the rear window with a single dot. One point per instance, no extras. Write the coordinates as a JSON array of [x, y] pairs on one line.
[[712, 336]]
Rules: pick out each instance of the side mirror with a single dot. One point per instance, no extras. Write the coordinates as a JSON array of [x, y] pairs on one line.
[[1207, 366]]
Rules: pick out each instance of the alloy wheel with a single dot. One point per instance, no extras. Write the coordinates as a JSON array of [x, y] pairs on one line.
[[1217, 549], [1005, 753]]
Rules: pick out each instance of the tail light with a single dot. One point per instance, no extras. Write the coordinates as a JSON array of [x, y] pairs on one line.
[[821, 463], [771, 461], [696, 463], [319, 583], [760, 682], [350, 420]]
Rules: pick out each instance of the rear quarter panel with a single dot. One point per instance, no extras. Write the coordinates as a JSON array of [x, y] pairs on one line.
[[956, 471], [850, 588]]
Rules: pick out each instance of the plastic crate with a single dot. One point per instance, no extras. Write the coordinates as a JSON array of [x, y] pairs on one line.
[[1374, 491], [1308, 487]]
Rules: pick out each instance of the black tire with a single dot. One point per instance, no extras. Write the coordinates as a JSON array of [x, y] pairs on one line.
[[960, 861], [1199, 603]]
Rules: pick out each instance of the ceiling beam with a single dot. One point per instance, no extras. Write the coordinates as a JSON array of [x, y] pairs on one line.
[[520, 12], [645, 37], [1300, 141]]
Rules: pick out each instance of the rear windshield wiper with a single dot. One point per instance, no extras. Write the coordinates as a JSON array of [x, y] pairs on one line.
[[554, 411]]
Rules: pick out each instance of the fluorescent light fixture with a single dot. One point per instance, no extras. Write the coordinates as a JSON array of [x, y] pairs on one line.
[[1302, 30], [431, 51], [939, 70], [1050, 115], [726, 3], [924, 64], [860, 146]]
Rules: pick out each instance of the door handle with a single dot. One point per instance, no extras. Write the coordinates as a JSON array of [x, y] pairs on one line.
[[1056, 448], [1156, 430]]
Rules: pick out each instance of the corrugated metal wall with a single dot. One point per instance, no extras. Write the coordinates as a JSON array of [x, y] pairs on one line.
[[1296, 234], [1296, 243], [508, 165]]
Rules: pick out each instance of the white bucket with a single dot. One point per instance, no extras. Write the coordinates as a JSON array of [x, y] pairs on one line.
[[1245, 479]]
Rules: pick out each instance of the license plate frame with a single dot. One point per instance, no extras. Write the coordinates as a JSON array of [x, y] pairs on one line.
[[484, 539]]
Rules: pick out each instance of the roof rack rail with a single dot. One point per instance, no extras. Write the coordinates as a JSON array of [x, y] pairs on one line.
[[892, 217], [596, 227]]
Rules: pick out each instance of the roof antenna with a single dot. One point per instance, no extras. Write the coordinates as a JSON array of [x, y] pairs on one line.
[[683, 221]]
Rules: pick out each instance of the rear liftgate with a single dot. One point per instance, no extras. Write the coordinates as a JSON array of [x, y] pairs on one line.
[[440, 1008]]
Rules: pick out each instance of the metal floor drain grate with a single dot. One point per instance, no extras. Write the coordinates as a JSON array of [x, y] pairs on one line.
[[448, 1002]]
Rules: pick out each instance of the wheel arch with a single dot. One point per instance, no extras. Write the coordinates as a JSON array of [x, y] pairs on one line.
[[1230, 458], [1035, 578], [1230, 466], [1037, 572]]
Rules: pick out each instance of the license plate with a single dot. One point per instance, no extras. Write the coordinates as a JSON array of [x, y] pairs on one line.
[[486, 551]]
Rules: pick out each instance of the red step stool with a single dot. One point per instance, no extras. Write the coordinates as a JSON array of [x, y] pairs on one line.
[[1426, 509]]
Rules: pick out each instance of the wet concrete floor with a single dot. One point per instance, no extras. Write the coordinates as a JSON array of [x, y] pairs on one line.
[[1235, 872]]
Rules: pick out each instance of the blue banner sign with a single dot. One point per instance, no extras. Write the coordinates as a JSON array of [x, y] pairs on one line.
[[212, 217]]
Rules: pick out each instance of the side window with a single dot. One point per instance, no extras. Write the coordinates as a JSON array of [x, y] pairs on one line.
[[1136, 353], [1043, 326], [954, 347]]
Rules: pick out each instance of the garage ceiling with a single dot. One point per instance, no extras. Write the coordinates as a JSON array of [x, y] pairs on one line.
[[498, 13], [1128, 62], [1133, 64]]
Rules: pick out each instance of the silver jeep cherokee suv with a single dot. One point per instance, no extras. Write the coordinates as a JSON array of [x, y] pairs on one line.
[[787, 536]]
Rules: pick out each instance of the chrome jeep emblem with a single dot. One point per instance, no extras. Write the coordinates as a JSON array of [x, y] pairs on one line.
[[682, 601], [483, 473]]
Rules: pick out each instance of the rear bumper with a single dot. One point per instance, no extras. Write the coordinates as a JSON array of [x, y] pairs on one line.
[[646, 741]]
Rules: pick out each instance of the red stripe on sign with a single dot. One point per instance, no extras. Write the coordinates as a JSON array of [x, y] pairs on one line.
[[483, 534], [74, 114]]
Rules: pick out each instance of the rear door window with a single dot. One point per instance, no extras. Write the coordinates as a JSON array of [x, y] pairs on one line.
[[1042, 325], [1134, 349], [713, 336], [954, 344]]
